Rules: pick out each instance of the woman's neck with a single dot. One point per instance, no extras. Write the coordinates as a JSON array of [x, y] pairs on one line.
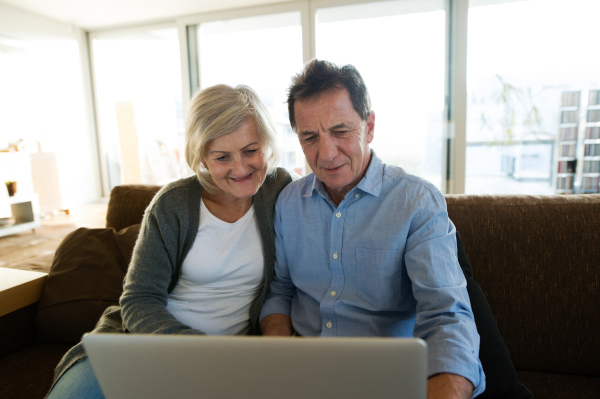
[[229, 210]]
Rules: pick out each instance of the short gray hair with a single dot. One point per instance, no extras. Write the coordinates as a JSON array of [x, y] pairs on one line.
[[320, 76], [220, 110]]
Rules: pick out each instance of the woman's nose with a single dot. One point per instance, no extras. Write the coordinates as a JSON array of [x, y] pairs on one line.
[[240, 167]]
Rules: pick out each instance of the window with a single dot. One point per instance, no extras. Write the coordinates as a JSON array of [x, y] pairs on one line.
[[43, 107], [531, 68], [399, 48], [139, 106], [263, 52], [532, 82]]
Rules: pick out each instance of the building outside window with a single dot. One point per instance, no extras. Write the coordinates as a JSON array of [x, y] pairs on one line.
[[531, 68]]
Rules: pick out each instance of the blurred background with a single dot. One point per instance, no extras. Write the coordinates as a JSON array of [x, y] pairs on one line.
[[478, 97]]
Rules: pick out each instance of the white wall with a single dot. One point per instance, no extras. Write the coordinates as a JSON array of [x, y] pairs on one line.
[[45, 95]]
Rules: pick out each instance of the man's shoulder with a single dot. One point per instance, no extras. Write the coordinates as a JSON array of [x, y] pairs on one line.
[[296, 189], [396, 177], [299, 186]]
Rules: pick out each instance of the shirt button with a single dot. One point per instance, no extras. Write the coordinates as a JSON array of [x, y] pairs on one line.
[[329, 324], [333, 293], [356, 195], [335, 255], [338, 215]]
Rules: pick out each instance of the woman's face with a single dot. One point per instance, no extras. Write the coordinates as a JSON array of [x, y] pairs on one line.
[[237, 162]]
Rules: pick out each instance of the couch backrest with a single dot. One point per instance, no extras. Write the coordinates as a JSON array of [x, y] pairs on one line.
[[537, 259], [127, 204]]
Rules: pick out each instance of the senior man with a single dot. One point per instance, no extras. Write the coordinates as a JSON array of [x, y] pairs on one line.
[[364, 248]]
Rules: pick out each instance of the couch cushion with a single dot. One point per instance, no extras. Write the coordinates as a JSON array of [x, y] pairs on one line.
[[17, 329], [536, 259], [500, 374], [85, 278], [128, 203]]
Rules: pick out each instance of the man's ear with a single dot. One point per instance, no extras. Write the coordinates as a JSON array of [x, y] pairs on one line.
[[371, 127]]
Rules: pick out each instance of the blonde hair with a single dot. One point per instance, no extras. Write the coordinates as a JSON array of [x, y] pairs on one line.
[[220, 110]]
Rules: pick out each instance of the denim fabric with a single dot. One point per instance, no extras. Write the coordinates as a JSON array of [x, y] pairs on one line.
[[381, 263], [79, 382]]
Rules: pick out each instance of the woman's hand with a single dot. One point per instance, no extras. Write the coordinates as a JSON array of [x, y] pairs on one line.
[[277, 324]]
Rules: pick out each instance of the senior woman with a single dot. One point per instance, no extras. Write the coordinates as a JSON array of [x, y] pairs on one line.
[[204, 258]]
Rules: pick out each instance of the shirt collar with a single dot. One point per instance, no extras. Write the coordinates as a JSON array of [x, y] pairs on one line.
[[370, 183], [373, 179]]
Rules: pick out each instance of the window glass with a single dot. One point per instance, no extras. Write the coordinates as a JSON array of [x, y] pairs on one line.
[[139, 106], [398, 47], [43, 108], [533, 71], [263, 52]]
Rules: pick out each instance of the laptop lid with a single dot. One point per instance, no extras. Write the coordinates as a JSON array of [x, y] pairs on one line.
[[228, 367]]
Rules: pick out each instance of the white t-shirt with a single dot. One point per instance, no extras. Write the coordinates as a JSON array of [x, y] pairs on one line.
[[221, 276]]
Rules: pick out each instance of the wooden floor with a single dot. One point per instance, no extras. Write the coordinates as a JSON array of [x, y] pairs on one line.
[[28, 245]]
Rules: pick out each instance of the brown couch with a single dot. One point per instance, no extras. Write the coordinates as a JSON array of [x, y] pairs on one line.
[[537, 259]]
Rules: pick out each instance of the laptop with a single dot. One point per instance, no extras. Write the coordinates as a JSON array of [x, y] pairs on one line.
[[229, 367]]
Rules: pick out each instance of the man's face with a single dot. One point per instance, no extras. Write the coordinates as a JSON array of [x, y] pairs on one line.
[[335, 140]]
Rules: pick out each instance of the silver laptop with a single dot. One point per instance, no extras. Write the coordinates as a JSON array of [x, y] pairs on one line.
[[217, 367]]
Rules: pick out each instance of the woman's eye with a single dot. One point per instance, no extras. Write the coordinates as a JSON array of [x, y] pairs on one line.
[[222, 159], [251, 152]]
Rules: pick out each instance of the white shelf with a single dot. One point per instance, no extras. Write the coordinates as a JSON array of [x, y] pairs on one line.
[[26, 211]]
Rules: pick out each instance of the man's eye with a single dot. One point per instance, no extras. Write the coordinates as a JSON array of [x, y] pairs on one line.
[[341, 132], [309, 139]]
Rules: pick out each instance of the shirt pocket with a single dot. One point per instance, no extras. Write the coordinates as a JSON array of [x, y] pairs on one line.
[[379, 277]]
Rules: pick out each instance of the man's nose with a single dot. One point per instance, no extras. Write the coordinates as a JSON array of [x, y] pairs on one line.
[[327, 148]]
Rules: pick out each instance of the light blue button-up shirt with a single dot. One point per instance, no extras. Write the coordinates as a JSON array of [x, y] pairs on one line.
[[381, 263]]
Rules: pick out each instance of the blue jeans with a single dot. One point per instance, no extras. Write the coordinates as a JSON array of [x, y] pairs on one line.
[[78, 382]]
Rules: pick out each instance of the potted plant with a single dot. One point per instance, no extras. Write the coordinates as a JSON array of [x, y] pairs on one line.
[[11, 186]]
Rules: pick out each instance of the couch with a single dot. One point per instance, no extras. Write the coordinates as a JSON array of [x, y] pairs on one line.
[[537, 259]]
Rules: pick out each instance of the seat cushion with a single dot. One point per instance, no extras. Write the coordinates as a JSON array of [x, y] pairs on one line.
[[28, 374], [86, 277], [560, 386]]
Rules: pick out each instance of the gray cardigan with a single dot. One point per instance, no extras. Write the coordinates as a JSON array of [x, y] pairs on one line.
[[168, 231]]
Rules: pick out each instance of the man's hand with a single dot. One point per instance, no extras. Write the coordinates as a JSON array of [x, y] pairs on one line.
[[277, 325], [449, 386]]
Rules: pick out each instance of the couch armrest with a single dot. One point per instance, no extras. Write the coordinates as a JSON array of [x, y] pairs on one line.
[[20, 292], [17, 330]]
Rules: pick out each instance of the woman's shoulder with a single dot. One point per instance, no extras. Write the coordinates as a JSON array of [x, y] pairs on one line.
[[176, 193], [277, 180]]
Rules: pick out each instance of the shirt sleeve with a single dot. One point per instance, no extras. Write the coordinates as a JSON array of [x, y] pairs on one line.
[[444, 319], [282, 290]]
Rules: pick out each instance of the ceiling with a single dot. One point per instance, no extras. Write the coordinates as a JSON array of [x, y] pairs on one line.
[[101, 14]]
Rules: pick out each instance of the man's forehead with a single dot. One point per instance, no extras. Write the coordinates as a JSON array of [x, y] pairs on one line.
[[333, 105]]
